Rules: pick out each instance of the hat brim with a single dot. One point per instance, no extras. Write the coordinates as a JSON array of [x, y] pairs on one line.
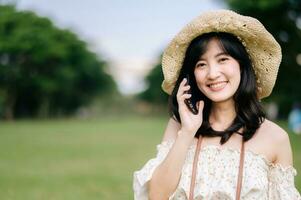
[[263, 49]]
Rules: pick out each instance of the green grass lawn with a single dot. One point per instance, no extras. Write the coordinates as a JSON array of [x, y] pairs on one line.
[[81, 159]]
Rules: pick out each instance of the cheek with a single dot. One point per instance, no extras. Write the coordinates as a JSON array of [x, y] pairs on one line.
[[236, 76], [234, 70], [199, 76]]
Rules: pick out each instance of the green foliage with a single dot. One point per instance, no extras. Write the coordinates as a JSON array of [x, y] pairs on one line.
[[280, 18], [255, 4], [45, 71], [154, 94]]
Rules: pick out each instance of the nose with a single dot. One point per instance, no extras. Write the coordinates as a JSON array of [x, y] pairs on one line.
[[213, 71]]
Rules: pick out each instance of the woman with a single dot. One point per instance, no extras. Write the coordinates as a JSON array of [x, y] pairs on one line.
[[218, 144]]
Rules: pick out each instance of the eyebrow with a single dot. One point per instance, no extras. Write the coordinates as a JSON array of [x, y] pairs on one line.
[[217, 55]]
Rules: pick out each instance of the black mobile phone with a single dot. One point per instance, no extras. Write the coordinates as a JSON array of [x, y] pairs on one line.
[[191, 102]]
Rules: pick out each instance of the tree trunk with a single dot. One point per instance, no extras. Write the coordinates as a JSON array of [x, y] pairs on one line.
[[9, 107]]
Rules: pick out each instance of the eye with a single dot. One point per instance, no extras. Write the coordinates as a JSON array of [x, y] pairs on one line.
[[223, 59], [201, 64]]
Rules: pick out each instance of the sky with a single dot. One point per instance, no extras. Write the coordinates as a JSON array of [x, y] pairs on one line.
[[129, 34]]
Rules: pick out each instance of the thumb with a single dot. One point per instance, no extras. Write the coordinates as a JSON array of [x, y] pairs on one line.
[[200, 106]]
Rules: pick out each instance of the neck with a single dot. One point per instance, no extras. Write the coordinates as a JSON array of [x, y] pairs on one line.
[[222, 115]]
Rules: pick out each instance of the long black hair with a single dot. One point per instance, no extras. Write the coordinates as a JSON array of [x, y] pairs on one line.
[[249, 112]]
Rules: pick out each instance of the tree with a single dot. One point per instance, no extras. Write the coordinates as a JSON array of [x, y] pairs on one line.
[[154, 94], [283, 19], [45, 71]]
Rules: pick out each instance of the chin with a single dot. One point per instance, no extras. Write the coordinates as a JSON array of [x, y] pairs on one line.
[[220, 98]]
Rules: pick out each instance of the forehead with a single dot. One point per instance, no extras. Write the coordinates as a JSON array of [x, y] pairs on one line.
[[213, 46]]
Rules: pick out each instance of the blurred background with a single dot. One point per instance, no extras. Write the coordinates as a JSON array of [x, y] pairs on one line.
[[81, 105]]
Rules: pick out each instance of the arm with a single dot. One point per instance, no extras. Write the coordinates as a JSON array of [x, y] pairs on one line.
[[167, 175], [284, 155], [171, 130], [281, 175]]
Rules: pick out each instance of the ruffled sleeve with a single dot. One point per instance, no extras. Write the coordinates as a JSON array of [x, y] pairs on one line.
[[281, 183], [142, 176]]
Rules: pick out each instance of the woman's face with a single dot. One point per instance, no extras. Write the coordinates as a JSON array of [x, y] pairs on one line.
[[217, 74]]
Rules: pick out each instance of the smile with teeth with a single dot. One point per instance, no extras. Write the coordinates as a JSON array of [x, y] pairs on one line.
[[218, 86]]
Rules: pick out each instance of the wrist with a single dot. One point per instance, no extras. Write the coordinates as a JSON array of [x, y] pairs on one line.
[[190, 132], [186, 136]]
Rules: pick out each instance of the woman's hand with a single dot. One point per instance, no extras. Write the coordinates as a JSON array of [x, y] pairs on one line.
[[190, 122]]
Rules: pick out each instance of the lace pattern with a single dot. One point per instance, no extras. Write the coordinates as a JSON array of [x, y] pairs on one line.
[[217, 178]]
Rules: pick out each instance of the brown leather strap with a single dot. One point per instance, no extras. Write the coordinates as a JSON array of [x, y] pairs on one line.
[[194, 169], [241, 167]]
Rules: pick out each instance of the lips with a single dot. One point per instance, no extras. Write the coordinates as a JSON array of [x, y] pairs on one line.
[[217, 86]]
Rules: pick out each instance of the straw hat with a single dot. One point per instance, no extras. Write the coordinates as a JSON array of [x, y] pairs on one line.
[[263, 49]]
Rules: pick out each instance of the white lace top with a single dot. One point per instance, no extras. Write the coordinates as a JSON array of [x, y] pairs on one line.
[[217, 173]]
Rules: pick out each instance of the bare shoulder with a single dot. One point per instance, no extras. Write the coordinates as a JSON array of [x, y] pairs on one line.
[[275, 132], [279, 141], [171, 130]]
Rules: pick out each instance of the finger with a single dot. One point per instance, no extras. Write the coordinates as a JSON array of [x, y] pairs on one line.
[[186, 96], [200, 104], [183, 81], [183, 97], [186, 88], [181, 87], [181, 100]]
